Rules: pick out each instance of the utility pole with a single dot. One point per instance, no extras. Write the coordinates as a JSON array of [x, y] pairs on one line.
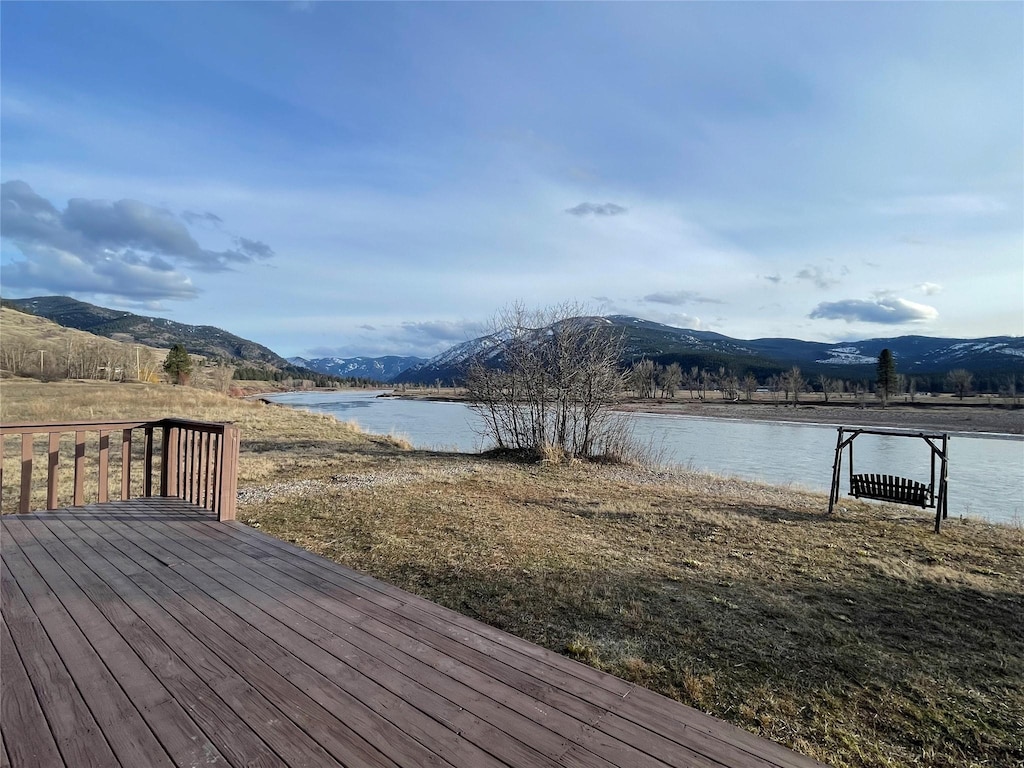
[[40, 362], [138, 368]]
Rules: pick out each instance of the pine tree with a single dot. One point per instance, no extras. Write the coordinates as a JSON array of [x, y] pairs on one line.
[[886, 379], [178, 364]]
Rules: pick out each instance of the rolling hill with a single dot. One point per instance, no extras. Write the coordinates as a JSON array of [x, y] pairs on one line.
[[206, 340]]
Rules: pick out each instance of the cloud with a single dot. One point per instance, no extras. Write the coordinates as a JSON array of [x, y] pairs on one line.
[[596, 209], [821, 278], [52, 270], [678, 320], [885, 310], [435, 332], [201, 218], [422, 339], [679, 298], [254, 248], [119, 248], [774, 279], [929, 289]]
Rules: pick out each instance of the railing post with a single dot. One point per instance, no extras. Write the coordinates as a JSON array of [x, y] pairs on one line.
[[79, 468], [228, 479], [165, 452], [52, 471], [126, 464], [103, 467], [147, 480], [26, 472], [171, 460]]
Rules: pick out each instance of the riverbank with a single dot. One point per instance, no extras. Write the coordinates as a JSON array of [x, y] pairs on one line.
[[861, 638], [940, 418]]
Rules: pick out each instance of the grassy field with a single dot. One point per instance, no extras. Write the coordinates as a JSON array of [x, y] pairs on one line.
[[862, 639]]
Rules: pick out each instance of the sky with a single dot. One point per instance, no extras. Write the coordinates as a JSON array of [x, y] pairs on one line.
[[382, 178]]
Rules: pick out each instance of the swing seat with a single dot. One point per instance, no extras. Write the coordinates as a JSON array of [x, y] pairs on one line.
[[898, 490]]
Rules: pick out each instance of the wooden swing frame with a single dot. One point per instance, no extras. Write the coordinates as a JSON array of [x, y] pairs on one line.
[[898, 490]]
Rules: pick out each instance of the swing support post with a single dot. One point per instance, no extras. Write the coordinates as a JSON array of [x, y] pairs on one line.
[[898, 490]]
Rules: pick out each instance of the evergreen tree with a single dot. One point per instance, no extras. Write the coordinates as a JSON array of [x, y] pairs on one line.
[[178, 364], [886, 379]]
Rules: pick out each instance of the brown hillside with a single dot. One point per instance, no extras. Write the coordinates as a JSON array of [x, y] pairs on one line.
[[37, 347]]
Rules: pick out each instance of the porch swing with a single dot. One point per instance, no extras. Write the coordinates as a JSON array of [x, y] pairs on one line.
[[891, 488]]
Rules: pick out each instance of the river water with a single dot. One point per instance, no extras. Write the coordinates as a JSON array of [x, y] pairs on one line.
[[986, 472]]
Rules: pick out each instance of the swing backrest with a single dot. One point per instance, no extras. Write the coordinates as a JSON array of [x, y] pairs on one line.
[[899, 490]]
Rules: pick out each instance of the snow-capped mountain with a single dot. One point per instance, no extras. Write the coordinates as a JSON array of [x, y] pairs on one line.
[[914, 355], [382, 369]]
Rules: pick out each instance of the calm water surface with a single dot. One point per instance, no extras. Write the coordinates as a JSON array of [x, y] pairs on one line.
[[986, 473]]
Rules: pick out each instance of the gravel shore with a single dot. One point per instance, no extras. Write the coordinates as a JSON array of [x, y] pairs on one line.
[[942, 418]]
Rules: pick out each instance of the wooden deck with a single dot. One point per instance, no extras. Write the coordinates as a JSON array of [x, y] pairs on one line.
[[147, 633]]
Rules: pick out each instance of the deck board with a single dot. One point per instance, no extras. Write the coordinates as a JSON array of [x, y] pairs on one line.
[[148, 633]]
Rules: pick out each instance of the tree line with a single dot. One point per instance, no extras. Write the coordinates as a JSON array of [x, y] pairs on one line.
[[647, 379]]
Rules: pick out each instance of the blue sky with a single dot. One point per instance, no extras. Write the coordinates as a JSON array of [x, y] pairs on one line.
[[330, 178]]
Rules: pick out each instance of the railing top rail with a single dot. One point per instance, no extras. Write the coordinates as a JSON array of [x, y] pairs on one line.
[[93, 426], [212, 426], [70, 426]]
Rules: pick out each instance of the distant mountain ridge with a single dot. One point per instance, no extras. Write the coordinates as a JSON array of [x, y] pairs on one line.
[[915, 355], [207, 340], [383, 369]]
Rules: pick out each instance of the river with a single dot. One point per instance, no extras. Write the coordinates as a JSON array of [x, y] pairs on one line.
[[986, 472]]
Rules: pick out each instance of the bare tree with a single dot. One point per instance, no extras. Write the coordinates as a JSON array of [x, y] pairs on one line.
[[1010, 389], [221, 375], [730, 387], [749, 385], [670, 378], [828, 386], [793, 381], [642, 378], [961, 381], [707, 381], [547, 382], [693, 380], [14, 355]]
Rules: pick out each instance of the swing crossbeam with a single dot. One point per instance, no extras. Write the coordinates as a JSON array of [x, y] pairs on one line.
[[891, 488]]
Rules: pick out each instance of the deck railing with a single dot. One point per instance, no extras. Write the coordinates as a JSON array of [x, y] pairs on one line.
[[192, 460]]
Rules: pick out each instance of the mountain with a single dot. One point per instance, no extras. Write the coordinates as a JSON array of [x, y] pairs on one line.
[[205, 340], [923, 356], [382, 369]]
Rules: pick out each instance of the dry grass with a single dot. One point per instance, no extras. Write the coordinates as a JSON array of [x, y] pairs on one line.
[[23, 336], [863, 639]]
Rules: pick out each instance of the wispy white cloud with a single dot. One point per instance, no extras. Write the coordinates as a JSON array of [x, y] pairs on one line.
[[929, 289], [680, 298]]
